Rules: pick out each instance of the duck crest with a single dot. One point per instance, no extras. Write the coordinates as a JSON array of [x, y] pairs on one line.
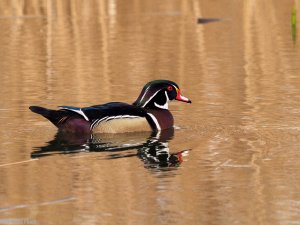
[[157, 94]]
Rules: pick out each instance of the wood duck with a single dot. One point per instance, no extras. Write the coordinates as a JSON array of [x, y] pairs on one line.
[[148, 113]]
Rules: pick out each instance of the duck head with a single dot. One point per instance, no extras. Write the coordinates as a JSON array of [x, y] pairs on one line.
[[158, 93]]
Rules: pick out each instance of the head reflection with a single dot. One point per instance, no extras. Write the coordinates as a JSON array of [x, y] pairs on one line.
[[151, 148]]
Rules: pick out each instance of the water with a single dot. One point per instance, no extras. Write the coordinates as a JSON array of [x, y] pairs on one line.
[[234, 155]]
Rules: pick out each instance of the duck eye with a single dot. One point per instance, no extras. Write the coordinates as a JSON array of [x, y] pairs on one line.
[[170, 88]]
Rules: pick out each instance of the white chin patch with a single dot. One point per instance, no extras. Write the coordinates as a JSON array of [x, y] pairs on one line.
[[166, 105]]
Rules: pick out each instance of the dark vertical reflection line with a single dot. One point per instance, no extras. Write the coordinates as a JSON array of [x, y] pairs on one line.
[[49, 69], [103, 16]]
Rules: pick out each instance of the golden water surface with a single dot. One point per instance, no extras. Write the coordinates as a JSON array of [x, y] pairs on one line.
[[237, 144]]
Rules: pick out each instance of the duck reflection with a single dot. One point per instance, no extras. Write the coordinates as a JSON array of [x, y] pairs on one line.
[[152, 148]]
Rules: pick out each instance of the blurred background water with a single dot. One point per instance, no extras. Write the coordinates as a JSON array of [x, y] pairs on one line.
[[234, 155]]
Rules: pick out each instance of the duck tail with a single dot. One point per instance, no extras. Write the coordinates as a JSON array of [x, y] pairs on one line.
[[57, 117]]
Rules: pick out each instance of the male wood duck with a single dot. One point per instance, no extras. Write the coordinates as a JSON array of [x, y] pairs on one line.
[[148, 113]]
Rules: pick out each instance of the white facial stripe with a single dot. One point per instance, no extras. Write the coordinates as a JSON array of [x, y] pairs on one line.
[[167, 97], [150, 98], [165, 106], [144, 93], [176, 88], [155, 121]]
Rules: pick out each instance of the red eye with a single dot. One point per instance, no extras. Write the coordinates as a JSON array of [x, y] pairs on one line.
[[170, 88]]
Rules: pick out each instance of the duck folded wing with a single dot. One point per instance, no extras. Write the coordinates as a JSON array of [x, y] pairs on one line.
[[108, 111]]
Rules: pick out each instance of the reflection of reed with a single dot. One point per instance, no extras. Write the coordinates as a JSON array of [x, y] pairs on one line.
[[266, 74], [267, 71]]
